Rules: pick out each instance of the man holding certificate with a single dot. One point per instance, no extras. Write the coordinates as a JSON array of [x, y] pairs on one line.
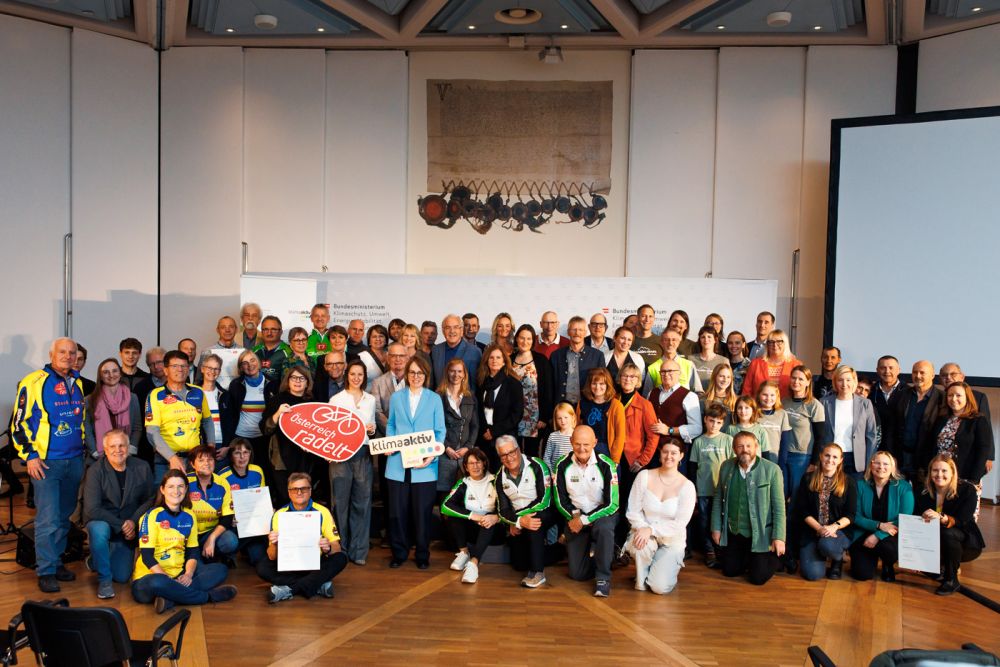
[[301, 578]]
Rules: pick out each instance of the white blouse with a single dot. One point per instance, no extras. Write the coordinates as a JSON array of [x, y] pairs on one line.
[[667, 518], [365, 408]]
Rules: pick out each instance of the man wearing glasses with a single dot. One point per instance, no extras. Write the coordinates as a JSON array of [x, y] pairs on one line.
[[670, 340], [330, 382], [216, 396], [455, 345], [524, 496], [678, 411], [178, 418], [598, 333], [285, 585], [549, 339], [272, 352]]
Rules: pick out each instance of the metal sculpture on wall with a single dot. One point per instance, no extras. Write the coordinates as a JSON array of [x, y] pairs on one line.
[[535, 204]]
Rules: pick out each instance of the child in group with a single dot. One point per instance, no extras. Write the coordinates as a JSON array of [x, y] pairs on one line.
[[774, 419], [708, 451], [558, 445], [746, 417]]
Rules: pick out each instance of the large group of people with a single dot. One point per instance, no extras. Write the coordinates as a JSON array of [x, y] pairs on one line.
[[598, 447]]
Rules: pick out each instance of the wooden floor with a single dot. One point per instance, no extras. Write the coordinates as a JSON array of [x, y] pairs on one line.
[[412, 617]]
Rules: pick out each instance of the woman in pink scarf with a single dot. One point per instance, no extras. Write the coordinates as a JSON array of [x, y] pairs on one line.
[[111, 405]]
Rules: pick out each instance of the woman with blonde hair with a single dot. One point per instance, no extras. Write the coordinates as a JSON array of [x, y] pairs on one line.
[[461, 422], [823, 508], [882, 497], [776, 365], [849, 422], [502, 332]]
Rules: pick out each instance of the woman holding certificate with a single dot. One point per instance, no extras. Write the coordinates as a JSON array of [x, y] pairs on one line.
[[951, 501], [412, 491], [882, 497], [288, 582]]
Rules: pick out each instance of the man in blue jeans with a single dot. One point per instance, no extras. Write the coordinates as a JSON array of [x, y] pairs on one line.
[[119, 489], [47, 429]]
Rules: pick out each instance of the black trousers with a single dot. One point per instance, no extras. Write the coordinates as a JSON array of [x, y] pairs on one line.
[[470, 534], [954, 552], [737, 559], [305, 583], [411, 510], [864, 560], [527, 549], [625, 480]]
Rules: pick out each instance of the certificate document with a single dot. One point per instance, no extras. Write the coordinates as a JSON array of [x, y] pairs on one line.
[[253, 511], [298, 541], [919, 544]]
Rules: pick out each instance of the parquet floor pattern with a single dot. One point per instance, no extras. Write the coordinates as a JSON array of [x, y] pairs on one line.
[[411, 617]]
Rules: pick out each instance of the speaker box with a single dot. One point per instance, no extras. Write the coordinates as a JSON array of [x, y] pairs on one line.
[[25, 554]]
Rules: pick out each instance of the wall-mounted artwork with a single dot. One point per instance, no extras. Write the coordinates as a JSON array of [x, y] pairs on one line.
[[518, 154]]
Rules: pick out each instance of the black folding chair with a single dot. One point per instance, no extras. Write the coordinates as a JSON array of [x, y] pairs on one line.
[[62, 636], [14, 638]]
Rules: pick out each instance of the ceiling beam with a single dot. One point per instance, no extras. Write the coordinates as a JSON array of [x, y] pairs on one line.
[[144, 17], [123, 29], [368, 15], [671, 14], [913, 19], [621, 14], [416, 16], [875, 21], [935, 26], [175, 22]]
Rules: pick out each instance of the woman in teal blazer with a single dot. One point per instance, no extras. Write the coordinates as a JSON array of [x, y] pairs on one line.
[[413, 491], [882, 497]]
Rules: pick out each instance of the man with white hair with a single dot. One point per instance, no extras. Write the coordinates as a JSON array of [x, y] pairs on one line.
[[48, 434], [455, 346], [250, 317]]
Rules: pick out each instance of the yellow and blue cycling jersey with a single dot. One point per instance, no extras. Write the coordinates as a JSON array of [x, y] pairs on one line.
[[49, 416], [254, 479], [211, 505], [167, 539], [179, 420], [327, 527]]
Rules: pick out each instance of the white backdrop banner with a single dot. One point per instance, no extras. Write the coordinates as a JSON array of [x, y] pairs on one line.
[[377, 298]]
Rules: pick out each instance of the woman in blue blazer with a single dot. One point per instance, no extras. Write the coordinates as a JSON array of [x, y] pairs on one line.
[[858, 441], [413, 491], [882, 497]]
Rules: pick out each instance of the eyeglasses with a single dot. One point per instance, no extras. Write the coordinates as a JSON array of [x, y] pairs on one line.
[[511, 454], [299, 489], [775, 342], [417, 374], [334, 363], [211, 369], [599, 324], [296, 378], [669, 372], [299, 340], [179, 367]]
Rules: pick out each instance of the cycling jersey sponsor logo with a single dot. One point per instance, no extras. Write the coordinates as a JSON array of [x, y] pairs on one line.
[[144, 539], [234, 487], [195, 496], [60, 389], [169, 400], [165, 524], [321, 346], [266, 364], [179, 433], [63, 429]]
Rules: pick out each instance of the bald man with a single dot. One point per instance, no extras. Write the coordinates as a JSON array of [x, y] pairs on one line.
[[549, 339], [912, 417], [47, 430]]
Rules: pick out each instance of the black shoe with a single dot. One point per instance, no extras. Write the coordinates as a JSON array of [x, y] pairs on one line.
[[948, 586], [62, 574], [687, 553], [835, 570], [888, 573], [222, 593], [229, 562], [47, 584], [395, 563], [423, 565], [791, 565]]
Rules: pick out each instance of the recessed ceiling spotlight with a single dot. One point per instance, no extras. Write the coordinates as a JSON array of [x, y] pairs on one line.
[[472, 27], [817, 27], [230, 29], [265, 21], [720, 27], [976, 9], [564, 26], [87, 12], [320, 29], [779, 19]]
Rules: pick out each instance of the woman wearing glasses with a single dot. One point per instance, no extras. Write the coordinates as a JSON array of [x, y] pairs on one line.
[[776, 365], [412, 491], [284, 455], [298, 340]]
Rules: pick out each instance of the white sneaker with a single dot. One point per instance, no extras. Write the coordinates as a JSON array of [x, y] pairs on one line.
[[461, 558], [471, 574]]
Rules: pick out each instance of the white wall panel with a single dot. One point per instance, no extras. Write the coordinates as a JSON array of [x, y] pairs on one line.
[[758, 167], [114, 164], [34, 193], [959, 70], [283, 142], [202, 190], [671, 163], [562, 249], [841, 82], [366, 123]]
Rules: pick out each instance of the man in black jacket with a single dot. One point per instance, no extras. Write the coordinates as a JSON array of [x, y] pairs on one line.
[[912, 418], [570, 365], [118, 490]]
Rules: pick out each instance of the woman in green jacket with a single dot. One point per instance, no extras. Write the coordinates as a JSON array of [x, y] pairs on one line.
[[882, 497]]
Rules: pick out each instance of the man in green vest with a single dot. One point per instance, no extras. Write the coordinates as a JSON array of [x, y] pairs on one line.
[[748, 516]]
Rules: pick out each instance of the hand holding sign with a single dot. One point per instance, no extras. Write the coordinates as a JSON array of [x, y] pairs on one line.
[[413, 447]]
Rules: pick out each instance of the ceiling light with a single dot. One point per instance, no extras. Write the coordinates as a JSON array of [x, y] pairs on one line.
[[518, 16], [320, 29], [564, 26], [265, 21], [230, 29], [779, 19], [720, 27], [472, 27], [551, 55], [87, 12], [976, 9], [817, 27]]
